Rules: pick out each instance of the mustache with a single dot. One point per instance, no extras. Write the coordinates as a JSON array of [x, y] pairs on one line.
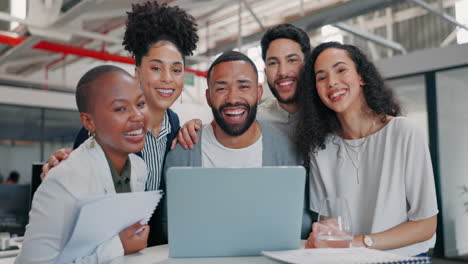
[[221, 108], [286, 77]]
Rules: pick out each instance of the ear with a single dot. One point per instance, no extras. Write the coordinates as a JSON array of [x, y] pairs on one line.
[[361, 82], [207, 95], [259, 92], [88, 122]]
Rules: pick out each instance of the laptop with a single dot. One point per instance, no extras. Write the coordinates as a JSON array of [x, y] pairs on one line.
[[225, 212]]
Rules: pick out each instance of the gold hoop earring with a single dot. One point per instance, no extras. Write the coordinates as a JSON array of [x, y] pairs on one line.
[[92, 136]]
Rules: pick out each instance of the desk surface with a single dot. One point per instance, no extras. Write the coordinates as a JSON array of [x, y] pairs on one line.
[[159, 255]]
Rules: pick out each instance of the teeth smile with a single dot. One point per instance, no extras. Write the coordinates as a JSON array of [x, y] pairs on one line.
[[134, 132], [336, 94], [285, 83], [236, 112], [165, 91]]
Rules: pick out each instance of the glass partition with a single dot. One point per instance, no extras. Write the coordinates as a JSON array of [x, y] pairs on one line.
[[453, 156], [29, 135], [411, 93]]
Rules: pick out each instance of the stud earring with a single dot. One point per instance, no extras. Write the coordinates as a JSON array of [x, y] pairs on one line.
[[92, 135]]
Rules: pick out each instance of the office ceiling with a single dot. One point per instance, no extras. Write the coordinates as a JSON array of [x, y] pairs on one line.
[[65, 34]]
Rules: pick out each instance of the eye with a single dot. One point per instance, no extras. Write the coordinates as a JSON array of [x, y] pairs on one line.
[[120, 109], [271, 63], [293, 60], [342, 70], [141, 104], [220, 89], [320, 78], [244, 86], [177, 70], [155, 68]]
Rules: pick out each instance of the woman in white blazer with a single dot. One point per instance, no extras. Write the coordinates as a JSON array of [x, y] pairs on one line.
[[113, 108]]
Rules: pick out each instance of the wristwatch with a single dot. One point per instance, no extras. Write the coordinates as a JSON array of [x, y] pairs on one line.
[[368, 241]]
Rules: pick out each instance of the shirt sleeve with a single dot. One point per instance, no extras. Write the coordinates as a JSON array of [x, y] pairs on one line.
[[49, 227], [104, 253], [419, 178]]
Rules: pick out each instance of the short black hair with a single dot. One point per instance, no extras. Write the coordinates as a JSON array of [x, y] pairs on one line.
[[151, 22], [286, 31], [83, 93], [14, 176], [230, 56]]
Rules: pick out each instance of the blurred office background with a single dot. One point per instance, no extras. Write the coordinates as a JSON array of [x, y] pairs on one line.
[[419, 45]]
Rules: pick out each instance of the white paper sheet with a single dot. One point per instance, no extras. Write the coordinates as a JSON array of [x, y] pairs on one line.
[[340, 256], [102, 217]]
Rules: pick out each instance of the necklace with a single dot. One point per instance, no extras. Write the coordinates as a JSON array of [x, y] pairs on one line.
[[357, 150]]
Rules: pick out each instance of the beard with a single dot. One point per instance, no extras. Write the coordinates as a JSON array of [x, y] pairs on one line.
[[235, 129], [290, 100]]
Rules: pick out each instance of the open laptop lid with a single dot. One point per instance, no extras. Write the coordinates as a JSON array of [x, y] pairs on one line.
[[234, 211]]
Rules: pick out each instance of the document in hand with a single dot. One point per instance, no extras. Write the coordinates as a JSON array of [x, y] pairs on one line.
[[100, 218], [341, 256]]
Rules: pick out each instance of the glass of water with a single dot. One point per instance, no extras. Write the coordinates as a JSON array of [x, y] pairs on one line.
[[334, 228]]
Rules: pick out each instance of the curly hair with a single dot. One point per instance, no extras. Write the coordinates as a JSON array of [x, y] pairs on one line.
[[151, 22], [286, 31], [317, 121]]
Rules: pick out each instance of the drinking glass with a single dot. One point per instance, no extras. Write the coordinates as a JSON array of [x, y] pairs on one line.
[[334, 228]]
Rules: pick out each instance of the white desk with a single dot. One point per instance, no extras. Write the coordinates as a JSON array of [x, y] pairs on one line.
[[159, 255]]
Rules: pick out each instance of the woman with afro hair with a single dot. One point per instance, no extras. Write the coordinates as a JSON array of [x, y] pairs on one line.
[[360, 149], [158, 37]]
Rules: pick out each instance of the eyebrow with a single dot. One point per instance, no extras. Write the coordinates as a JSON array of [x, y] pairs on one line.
[[125, 100], [287, 56], [333, 66], [237, 81], [161, 61], [118, 100], [220, 82]]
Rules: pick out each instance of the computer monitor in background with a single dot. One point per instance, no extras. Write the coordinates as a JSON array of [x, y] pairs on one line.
[[36, 177], [15, 203]]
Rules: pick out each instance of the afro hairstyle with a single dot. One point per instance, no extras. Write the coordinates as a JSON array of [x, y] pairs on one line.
[[150, 22]]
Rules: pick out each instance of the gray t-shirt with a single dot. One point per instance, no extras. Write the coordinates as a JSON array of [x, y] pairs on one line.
[[270, 111]]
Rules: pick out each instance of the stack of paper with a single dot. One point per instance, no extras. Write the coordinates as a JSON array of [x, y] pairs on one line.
[[100, 218], [341, 256]]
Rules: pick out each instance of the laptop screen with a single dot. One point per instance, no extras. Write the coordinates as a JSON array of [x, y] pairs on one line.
[[215, 212]]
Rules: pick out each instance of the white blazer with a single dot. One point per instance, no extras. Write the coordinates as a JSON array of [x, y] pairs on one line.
[[85, 173]]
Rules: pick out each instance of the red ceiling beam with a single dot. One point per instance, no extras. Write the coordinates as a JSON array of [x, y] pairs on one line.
[[81, 52]]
